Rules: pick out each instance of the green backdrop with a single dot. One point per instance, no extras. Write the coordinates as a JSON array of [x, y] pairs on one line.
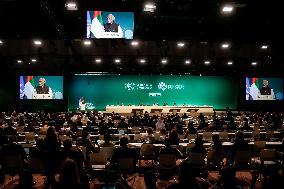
[[102, 90]]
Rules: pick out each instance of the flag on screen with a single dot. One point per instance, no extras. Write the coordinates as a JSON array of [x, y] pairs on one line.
[[97, 27], [254, 88], [89, 23], [22, 87], [247, 89], [29, 87]]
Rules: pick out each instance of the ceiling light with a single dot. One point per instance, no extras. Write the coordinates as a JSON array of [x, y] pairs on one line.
[[19, 61], [37, 42], [142, 60], [230, 63], [98, 60], [149, 7], [134, 43], [180, 44], [117, 60], [206, 62], [187, 62], [1, 42], [264, 47], [164, 61], [254, 63], [33, 60], [225, 45], [227, 9], [71, 5], [87, 42]]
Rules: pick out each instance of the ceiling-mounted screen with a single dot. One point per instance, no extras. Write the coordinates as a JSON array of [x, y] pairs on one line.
[[104, 24]]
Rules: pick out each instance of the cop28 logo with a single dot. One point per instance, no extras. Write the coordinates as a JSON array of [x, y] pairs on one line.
[[162, 86]]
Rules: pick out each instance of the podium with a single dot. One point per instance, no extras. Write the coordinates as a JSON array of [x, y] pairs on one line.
[[110, 35], [42, 96], [265, 97]]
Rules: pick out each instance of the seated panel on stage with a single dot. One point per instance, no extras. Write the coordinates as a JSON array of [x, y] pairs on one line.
[[160, 109]]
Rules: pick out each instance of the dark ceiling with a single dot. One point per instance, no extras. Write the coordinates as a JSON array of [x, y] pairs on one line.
[[199, 23]]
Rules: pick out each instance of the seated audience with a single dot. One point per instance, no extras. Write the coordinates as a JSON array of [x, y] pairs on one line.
[[107, 142], [69, 176], [168, 149], [189, 177], [124, 152]]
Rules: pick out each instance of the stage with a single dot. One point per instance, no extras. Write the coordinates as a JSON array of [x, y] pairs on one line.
[[159, 109]]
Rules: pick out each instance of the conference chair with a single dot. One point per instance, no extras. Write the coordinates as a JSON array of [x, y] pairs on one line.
[[13, 165], [191, 136], [108, 151], [207, 136], [214, 161], [255, 135], [135, 130], [30, 136], [242, 160], [167, 164], [268, 157], [258, 146], [137, 137], [147, 152], [126, 165], [224, 136], [269, 135]]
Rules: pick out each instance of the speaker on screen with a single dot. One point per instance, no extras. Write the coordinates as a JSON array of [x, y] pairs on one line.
[[103, 24], [41, 87], [264, 88]]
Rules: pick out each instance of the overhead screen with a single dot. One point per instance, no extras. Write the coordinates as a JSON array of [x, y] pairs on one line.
[[104, 24], [41, 87], [102, 90], [264, 88]]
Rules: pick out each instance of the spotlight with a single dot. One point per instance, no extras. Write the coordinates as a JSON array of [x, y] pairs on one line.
[[87, 43], [37, 42], [254, 63], [98, 60], [71, 5], [19, 61], [180, 44], [227, 9], [149, 7], [187, 61], [207, 62], [33, 60], [142, 61], [117, 60], [264, 47], [230, 63], [225, 45], [134, 43], [164, 61]]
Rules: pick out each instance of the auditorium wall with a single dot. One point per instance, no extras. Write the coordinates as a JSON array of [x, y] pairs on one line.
[[9, 95]]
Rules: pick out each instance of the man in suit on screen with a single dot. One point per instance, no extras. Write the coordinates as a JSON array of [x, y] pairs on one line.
[[265, 89], [112, 26], [42, 88]]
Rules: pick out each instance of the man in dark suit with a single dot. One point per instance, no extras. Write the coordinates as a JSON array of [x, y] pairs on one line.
[[112, 26], [265, 89], [42, 88]]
